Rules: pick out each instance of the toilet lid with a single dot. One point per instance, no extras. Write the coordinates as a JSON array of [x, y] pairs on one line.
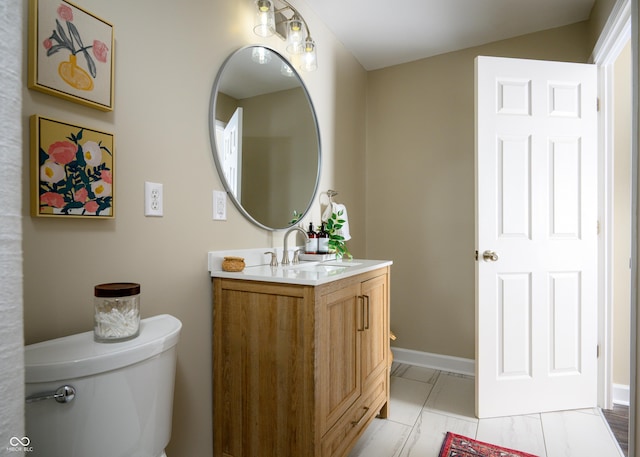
[[79, 355]]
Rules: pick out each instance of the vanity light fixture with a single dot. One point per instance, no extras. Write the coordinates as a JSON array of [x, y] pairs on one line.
[[288, 24], [265, 24], [295, 38], [309, 60]]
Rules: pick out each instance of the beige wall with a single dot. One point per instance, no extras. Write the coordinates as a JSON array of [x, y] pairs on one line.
[[420, 185], [622, 216], [167, 57], [599, 16]]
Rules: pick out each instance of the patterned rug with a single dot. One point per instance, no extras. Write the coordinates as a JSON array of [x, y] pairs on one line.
[[461, 446]]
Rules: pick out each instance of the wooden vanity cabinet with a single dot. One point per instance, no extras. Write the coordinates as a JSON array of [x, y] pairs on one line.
[[299, 370]]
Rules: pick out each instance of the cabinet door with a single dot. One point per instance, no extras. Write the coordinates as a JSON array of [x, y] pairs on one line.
[[375, 337], [339, 353], [263, 375]]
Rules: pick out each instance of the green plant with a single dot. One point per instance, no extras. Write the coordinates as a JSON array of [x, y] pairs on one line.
[[336, 241], [296, 217]]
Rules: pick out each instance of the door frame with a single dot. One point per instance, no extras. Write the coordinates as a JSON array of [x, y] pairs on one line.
[[615, 34]]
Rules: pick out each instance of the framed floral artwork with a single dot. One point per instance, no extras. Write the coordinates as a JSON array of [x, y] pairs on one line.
[[72, 170], [71, 53]]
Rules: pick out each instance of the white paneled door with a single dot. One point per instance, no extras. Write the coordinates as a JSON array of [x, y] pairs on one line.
[[536, 236], [232, 153]]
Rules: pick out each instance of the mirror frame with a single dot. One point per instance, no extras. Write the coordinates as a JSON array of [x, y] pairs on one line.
[[214, 147]]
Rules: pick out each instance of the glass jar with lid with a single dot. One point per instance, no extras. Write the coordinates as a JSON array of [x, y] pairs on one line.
[[117, 311]]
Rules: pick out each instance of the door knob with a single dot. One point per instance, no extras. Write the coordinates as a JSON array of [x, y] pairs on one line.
[[489, 256]]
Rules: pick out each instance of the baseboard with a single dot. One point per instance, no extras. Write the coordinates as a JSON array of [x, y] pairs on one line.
[[436, 361], [621, 394]]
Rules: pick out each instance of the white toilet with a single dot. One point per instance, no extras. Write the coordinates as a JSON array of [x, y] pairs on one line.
[[119, 396]]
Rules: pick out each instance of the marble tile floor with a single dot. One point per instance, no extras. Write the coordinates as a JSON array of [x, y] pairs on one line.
[[426, 403]]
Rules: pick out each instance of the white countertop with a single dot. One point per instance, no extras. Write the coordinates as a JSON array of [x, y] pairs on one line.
[[306, 273]]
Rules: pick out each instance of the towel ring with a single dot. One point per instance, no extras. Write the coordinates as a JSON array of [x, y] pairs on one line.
[[330, 193]]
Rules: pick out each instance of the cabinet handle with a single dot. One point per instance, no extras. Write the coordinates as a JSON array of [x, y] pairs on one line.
[[361, 328], [364, 414], [366, 327]]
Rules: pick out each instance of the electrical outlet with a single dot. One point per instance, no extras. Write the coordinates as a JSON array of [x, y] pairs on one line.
[[219, 205], [153, 199]]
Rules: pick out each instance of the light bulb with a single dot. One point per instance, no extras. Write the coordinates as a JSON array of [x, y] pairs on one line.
[[261, 55], [286, 70]]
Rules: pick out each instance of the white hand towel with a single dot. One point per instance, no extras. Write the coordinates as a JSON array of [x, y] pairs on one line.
[[336, 208]]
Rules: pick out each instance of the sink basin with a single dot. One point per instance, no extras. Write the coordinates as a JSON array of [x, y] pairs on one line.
[[327, 266], [321, 268], [298, 266], [341, 263]]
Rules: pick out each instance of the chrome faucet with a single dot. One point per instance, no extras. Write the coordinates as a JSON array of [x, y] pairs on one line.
[[285, 254]]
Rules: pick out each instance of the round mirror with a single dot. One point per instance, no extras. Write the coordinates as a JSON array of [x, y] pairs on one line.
[[265, 137]]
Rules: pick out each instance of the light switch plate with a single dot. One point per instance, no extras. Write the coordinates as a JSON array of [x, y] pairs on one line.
[[219, 205]]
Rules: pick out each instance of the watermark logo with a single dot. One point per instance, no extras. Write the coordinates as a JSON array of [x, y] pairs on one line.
[[15, 441], [17, 444]]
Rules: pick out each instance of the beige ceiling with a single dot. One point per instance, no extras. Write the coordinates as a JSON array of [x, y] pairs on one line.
[[384, 33]]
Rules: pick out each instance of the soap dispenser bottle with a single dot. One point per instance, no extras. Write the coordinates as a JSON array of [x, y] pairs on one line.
[[323, 240], [312, 241]]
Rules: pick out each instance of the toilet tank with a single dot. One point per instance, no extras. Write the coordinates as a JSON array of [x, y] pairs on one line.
[[123, 393]]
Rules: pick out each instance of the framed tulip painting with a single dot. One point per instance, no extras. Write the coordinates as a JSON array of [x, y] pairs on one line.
[[70, 53], [72, 170]]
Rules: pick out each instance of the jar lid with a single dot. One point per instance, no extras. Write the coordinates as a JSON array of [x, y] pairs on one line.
[[117, 289]]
